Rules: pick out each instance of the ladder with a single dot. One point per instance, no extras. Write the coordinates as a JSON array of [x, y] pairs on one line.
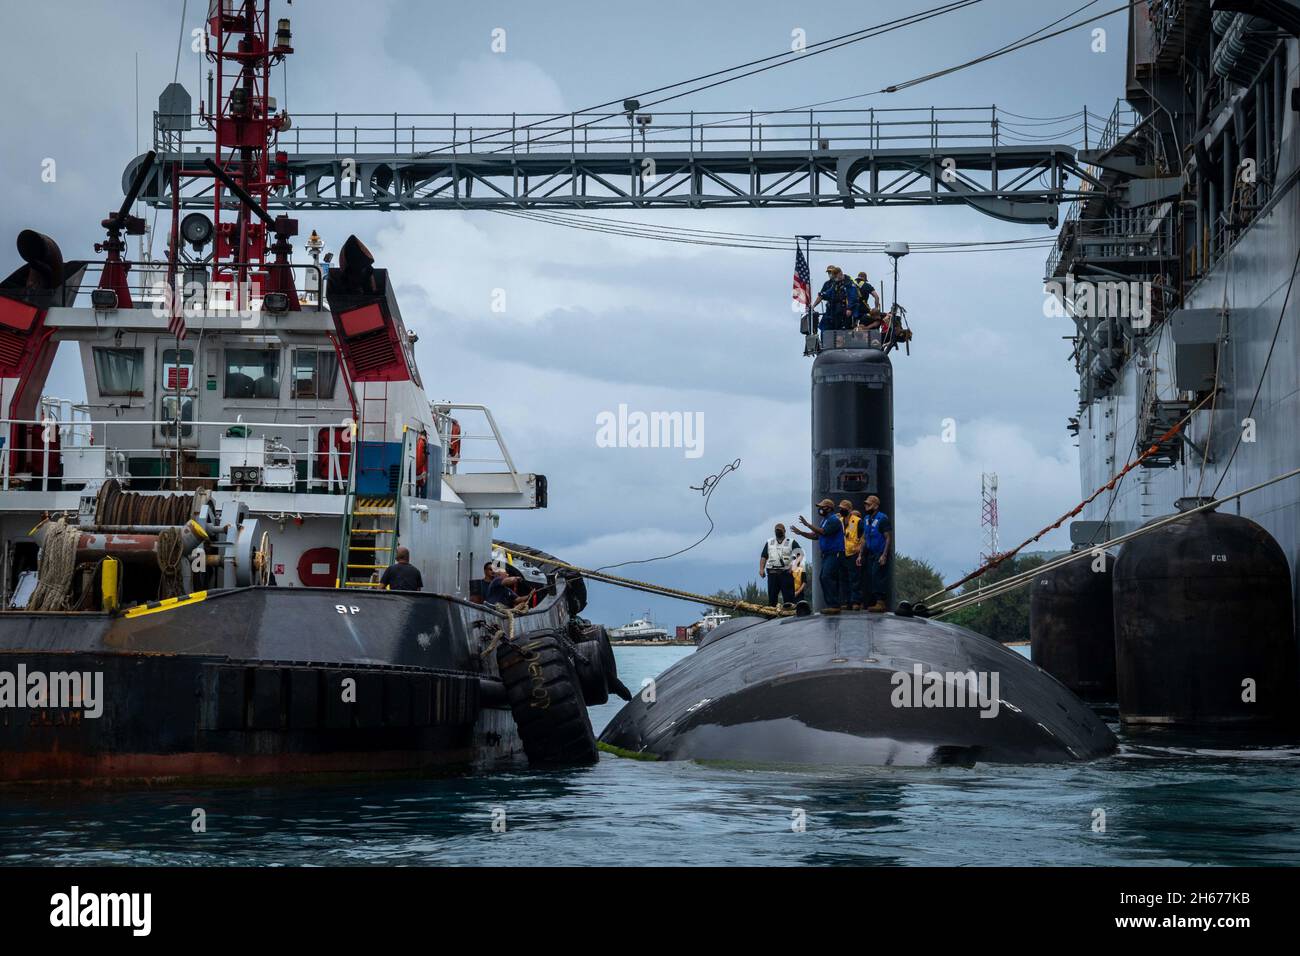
[[370, 538], [370, 527]]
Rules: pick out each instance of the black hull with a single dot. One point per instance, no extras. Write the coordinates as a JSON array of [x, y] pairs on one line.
[[822, 691], [264, 682]]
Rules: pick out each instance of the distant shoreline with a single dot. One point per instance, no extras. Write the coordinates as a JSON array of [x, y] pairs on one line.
[[642, 642]]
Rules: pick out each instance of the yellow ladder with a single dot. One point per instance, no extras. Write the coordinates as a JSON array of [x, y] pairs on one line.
[[370, 541]]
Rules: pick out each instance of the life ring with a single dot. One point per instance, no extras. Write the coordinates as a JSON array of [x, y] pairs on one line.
[[453, 447], [421, 457]]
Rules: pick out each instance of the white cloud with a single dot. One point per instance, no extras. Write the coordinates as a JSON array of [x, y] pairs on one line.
[[938, 491]]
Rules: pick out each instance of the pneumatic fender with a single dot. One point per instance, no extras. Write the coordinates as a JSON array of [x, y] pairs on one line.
[[594, 645]]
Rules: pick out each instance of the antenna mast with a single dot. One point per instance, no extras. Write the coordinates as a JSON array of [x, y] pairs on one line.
[[989, 515], [246, 126]]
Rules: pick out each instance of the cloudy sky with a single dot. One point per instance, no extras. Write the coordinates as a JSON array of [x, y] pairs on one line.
[[593, 321]]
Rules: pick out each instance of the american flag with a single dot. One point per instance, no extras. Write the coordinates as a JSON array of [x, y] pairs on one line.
[[802, 289]]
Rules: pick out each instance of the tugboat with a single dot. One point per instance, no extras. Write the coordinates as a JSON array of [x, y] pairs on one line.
[[191, 557]]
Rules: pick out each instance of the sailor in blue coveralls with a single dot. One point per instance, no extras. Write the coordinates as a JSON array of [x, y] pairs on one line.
[[873, 559], [830, 540]]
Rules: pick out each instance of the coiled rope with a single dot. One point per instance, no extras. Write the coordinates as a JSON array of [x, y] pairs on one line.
[[171, 550], [113, 506], [54, 570]]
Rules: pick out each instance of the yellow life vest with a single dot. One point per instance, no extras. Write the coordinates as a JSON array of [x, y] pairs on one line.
[[853, 535]]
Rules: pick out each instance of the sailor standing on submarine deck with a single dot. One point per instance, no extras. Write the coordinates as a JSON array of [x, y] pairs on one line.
[[830, 539], [873, 559], [776, 563]]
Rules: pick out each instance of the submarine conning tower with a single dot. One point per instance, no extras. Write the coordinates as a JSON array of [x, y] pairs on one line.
[[852, 430]]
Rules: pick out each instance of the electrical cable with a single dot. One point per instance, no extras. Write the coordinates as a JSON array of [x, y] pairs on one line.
[[786, 57], [1014, 48], [1009, 48], [1262, 373], [719, 239]]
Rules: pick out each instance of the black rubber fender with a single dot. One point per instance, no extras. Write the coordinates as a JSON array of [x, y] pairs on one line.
[[597, 634], [546, 700], [591, 673]]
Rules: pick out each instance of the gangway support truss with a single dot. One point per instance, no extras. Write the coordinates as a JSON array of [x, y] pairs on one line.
[[841, 158]]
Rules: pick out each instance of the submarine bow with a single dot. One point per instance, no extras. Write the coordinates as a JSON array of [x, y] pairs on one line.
[[852, 690]]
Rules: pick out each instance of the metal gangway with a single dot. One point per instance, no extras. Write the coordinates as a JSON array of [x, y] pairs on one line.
[[393, 161]]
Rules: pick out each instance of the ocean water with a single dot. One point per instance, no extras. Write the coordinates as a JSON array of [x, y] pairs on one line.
[[1166, 802]]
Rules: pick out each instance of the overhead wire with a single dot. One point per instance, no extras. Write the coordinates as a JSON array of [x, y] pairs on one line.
[[1259, 385], [1012, 48], [1008, 48], [786, 57], [775, 243]]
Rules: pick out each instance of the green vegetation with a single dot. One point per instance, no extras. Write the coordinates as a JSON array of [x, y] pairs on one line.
[[625, 754], [1004, 618], [915, 579], [749, 592]]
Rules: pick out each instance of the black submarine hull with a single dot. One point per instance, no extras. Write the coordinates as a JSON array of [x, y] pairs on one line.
[[849, 690]]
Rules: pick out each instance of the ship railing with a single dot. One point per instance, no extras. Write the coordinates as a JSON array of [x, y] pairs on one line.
[[201, 295], [811, 130], [1122, 121], [486, 451], [71, 451]]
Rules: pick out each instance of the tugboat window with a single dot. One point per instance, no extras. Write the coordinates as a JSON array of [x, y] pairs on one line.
[[253, 373], [168, 426], [120, 372], [315, 373]]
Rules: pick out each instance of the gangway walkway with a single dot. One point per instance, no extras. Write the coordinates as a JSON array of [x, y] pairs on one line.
[[395, 161]]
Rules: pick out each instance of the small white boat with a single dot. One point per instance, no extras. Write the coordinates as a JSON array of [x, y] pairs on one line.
[[711, 620], [642, 629]]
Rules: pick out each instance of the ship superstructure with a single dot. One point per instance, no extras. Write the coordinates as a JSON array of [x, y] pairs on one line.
[[1178, 272]]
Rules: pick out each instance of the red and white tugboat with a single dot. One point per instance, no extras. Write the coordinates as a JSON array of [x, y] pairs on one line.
[[190, 557]]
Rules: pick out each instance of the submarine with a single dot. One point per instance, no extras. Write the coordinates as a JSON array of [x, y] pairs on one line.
[[856, 688]]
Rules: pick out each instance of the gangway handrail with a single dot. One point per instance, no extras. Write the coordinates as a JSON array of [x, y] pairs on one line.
[[445, 408]]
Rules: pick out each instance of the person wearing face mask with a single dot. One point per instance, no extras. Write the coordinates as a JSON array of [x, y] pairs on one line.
[[830, 541], [776, 563], [873, 559], [850, 589]]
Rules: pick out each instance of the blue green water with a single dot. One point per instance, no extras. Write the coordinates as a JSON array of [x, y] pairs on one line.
[[1164, 804]]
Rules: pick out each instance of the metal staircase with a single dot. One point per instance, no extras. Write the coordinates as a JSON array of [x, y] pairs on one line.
[[369, 540]]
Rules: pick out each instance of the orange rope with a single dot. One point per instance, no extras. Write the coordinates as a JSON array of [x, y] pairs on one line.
[[994, 561]]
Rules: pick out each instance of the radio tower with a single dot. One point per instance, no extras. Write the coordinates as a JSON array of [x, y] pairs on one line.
[[989, 515]]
